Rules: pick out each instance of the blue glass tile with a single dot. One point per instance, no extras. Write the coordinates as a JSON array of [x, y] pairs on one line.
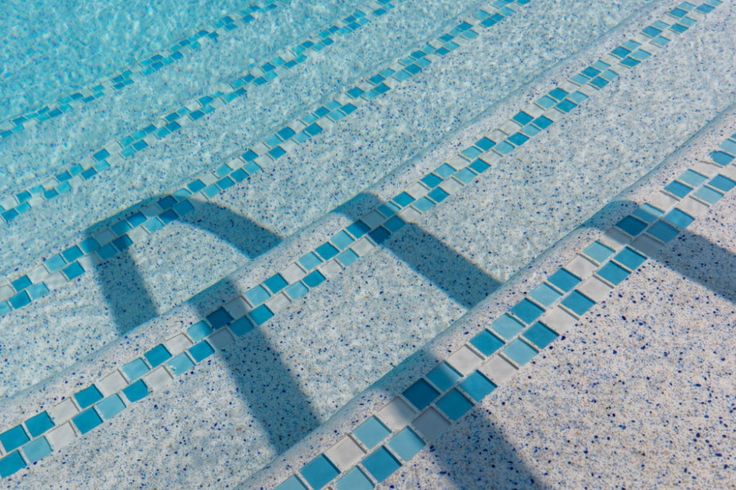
[[708, 195], [506, 326], [136, 391], [292, 483], [631, 225], [487, 343], [262, 314], [371, 432], [20, 300], [13, 438], [299, 290], [527, 311], [11, 463], [518, 139], [86, 421], [431, 180], [37, 450], [544, 295], [520, 352], [484, 144], [566, 106], [721, 158], [678, 189], [438, 194], [110, 407], [471, 152], [522, 118], [310, 260], [477, 386], [198, 331], [613, 273], [663, 231], [358, 229], [342, 240], [38, 424], [157, 355], [355, 479], [135, 369], [540, 335], [327, 251], [546, 102], [319, 472], [504, 148], [201, 351], [443, 376], [423, 205], [218, 318], [558, 93], [403, 199], [276, 283], [381, 464], [314, 279], [257, 295], [693, 179], [578, 303], [242, 326], [21, 283], [629, 258], [543, 122], [722, 183], [421, 394], [678, 219], [454, 405], [55, 263], [406, 444], [478, 165], [88, 396], [729, 147], [563, 280]]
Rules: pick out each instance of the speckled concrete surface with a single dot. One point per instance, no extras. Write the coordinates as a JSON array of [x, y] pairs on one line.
[[213, 431], [70, 321], [637, 394]]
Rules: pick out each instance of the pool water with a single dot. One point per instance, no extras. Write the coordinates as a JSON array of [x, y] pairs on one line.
[[222, 221]]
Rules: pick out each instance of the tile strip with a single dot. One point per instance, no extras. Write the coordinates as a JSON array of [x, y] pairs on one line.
[[144, 68], [130, 145], [21, 289], [447, 392]]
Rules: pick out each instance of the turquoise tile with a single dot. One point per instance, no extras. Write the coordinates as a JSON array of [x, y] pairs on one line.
[[201, 351], [708, 195], [545, 295], [11, 464], [136, 391], [135, 369], [371, 432], [157, 355], [86, 421], [13, 438], [722, 183], [487, 343], [520, 352], [454, 405], [198, 331], [319, 472], [630, 259], [88, 396], [540, 335], [180, 364], [354, 479], [527, 311], [506, 326], [663, 231], [679, 219], [564, 280], [406, 444], [477, 386], [613, 273], [443, 376], [421, 394], [598, 252], [578, 303], [38, 424], [292, 483], [37, 450], [110, 407], [381, 464]]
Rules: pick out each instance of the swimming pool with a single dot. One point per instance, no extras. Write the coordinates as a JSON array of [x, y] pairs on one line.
[[219, 234]]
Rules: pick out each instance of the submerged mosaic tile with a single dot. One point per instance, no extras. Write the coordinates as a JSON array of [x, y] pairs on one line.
[[128, 146], [429, 406], [150, 217], [144, 68]]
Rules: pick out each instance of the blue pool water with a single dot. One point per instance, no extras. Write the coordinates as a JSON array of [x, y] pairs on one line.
[[223, 221]]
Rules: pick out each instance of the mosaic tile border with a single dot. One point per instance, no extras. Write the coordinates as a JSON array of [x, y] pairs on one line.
[[128, 146], [144, 68], [21, 289], [471, 373]]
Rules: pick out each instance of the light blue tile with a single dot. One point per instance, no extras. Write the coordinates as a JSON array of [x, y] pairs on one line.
[[406, 444], [520, 352], [371, 432]]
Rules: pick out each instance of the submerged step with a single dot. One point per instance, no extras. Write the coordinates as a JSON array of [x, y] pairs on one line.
[[363, 313], [330, 181]]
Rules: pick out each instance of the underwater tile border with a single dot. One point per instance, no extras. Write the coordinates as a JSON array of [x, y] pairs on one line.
[[472, 372], [128, 146], [60, 269], [146, 67]]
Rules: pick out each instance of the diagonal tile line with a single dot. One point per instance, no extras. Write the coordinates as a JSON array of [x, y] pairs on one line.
[[136, 223], [509, 343], [146, 67], [126, 147]]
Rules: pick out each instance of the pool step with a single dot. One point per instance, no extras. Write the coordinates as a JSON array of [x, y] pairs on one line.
[[270, 387], [332, 167]]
